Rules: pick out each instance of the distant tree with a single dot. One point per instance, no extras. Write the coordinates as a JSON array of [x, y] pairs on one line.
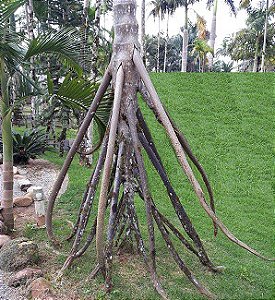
[[158, 11], [213, 30], [186, 4], [201, 49], [12, 60], [247, 43]]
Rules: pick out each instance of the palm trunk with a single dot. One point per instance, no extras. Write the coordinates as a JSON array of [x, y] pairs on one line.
[[95, 46], [166, 44], [89, 139], [142, 36], [199, 63], [265, 37], [30, 23], [85, 25], [158, 54], [256, 57], [185, 43], [7, 197], [213, 35]]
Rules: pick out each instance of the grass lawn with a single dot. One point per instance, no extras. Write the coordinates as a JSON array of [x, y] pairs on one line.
[[229, 122]]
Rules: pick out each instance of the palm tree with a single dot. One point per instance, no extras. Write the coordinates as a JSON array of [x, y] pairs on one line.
[[169, 8], [186, 4], [265, 35], [158, 11], [12, 58], [122, 171], [213, 30], [201, 49]]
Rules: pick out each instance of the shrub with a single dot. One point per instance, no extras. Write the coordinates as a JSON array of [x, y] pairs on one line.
[[28, 145]]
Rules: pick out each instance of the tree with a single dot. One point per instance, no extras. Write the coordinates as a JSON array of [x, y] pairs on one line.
[[213, 30], [12, 58], [186, 4], [123, 173], [158, 12], [169, 8], [265, 35], [246, 44], [201, 49]]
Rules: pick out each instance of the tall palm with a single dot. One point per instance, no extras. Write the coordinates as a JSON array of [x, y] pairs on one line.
[[169, 8], [213, 30], [201, 49], [12, 58], [186, 5], [265, 36], [158, 11], [142, 32]]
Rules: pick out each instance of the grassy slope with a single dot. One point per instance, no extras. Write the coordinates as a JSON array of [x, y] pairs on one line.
[[228, 120]]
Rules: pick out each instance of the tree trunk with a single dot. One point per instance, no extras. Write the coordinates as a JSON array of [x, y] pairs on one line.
[[158, 53], [265, 37], [256, 57], [30, 29], [166, 44], [213, 35], [95, 46], [185, 42], [7, 197], [89, 138], [142, 33], [85, 25]]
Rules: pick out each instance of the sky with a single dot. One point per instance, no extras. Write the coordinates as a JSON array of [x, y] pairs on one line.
[[227, 23]]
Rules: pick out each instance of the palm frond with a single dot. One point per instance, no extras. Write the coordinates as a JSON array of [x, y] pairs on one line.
[[78, 93], [65, 44], [7, 8]]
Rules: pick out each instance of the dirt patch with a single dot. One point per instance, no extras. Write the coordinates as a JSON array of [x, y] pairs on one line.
[[39, 172]]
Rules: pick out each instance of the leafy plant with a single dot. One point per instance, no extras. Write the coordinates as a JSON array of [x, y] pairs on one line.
[[28, 145]]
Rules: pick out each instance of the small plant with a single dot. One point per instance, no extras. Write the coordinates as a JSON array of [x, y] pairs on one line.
[[28, 145]]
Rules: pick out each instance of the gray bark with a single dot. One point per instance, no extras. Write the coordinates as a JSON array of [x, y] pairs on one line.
[[142, 35], [212, 38], [185, 43], [265, 37]]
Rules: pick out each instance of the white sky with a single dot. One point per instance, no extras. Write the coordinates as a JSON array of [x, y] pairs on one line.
[[227, 23]]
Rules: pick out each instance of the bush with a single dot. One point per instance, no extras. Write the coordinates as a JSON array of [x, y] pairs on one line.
[[28, 145]]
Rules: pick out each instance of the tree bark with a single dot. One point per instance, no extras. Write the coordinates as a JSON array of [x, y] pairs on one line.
[[185, 42], [213, 35], [142, 35], [158, 53], [166, 44], [7, 197], [30, 29], [95, 46], [265, 37], [256, 57]]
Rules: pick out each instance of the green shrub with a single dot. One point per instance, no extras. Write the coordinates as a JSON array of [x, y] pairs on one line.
[[28, 145]]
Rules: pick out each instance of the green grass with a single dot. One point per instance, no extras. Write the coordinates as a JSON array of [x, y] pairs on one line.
[[229, 122]]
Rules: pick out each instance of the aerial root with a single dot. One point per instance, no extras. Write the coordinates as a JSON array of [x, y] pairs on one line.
[[107, 167], [164, 119], [82, 130], [132, 122], [88, 197], [179, 261], [184, 143], [149, 146]]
